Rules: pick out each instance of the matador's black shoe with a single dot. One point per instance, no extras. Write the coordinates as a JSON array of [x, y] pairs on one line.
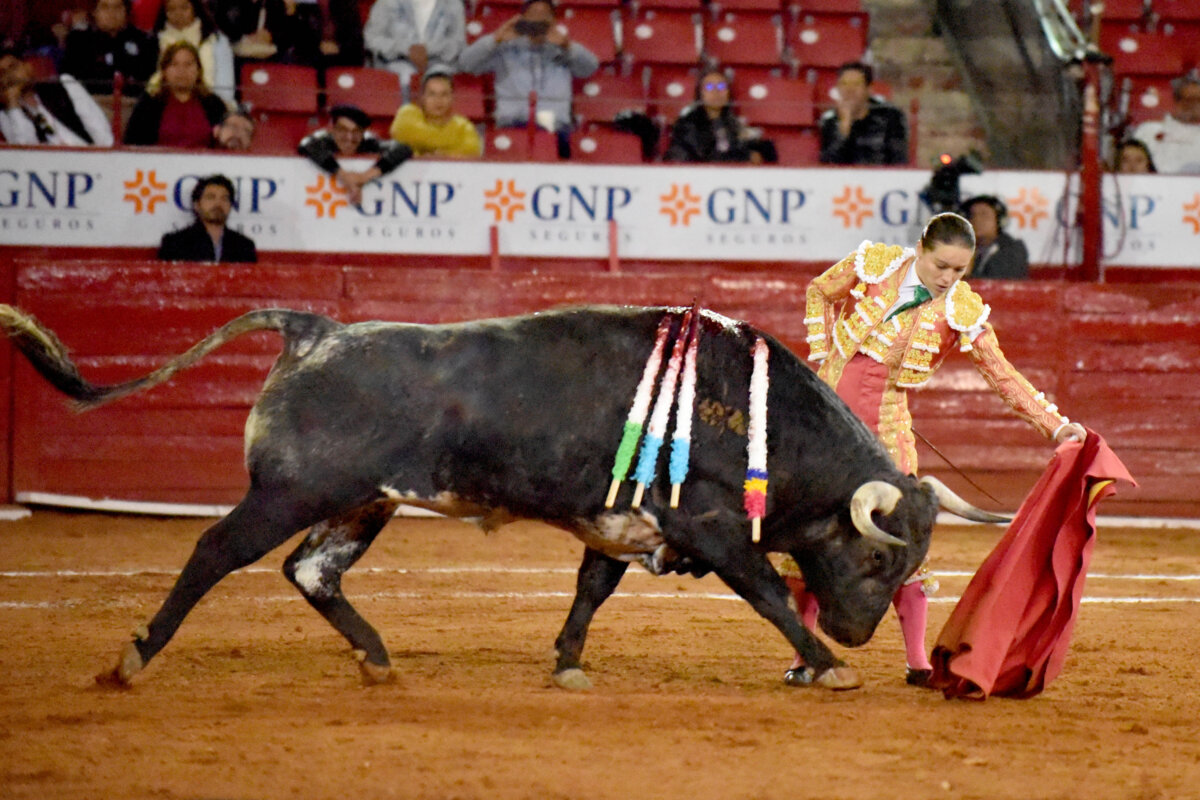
[[918, 677], [799, 676]]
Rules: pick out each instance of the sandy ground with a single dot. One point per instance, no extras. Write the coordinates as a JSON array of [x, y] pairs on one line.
[[256, 697]]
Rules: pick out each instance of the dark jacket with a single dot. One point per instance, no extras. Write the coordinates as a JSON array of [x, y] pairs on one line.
[[1004, 258], [696, 138], [147, 115], [93, 56], [881, 137], [194, 244], [320, 149]]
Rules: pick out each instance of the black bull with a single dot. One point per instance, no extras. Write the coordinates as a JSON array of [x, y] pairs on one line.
[[520, 418]]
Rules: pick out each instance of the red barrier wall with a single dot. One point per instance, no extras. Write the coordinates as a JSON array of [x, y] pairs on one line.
[[1121, 359]]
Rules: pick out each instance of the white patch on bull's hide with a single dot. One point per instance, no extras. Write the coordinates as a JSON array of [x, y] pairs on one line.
[[310, 571], [256, 428], [730, 325], [618, 534]]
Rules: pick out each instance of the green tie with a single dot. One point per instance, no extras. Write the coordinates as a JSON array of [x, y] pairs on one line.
[[920, 296]]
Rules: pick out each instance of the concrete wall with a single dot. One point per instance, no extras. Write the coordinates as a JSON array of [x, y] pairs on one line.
[[1121, 359]]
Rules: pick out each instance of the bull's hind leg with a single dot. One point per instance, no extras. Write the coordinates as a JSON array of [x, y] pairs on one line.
[[255, 527], [598, 578], [316, 568]]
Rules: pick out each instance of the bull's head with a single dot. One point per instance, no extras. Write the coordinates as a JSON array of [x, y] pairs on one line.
[[869, 550]]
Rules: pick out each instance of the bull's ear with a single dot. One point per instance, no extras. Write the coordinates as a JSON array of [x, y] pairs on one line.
[[870, 497], [951, 502]]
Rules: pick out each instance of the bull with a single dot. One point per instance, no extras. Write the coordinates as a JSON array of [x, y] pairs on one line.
[[519, 417]]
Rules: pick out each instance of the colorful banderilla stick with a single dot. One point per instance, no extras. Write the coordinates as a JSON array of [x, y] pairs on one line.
[[755, 497], [681, 441], [637, 413], [657, 429]]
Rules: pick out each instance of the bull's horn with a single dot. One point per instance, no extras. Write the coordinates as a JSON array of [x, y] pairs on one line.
[[874, 496], [956, 505]]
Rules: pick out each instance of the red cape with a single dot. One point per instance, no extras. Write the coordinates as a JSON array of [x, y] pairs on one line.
[[1009, 633]]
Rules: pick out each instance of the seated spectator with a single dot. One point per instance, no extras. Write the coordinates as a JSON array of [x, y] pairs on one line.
[[234, 132], [341, 33], [412, 36], [188, 21], [1174, 141], [180, 111], [1133, 157], [277, 30], [530, 53], [109, 44], [708, 130], [208, 238], [862, 129], [431, 128], [997, 255], [348, 137], [53, 112]]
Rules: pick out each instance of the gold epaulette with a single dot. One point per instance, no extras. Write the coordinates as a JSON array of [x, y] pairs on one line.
[[875, 262], [965, 309]]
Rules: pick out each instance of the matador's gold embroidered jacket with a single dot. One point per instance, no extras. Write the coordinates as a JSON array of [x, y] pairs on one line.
[[845, 315]]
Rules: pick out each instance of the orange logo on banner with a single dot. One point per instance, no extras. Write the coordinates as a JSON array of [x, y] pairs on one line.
[[145, 191], [853, 207], [680, 204], [326, 197], [1029, 206], [504, 200], [1193, 219]]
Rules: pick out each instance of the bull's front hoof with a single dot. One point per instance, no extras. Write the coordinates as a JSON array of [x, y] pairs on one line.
[[572, 679], [373, 674], [129, 664], [839, 678], [799, 676]]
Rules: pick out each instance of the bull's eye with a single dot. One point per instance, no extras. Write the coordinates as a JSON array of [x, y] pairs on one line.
[[877, 556]]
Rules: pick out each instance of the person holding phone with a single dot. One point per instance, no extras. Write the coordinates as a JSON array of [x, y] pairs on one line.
[[531, 53]]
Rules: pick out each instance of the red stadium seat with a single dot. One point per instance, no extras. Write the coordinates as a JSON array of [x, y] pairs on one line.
[[774, 101], [826, 6], [599, 144], [1138, 53], [1169, 10], [1129, 10], [512, 144], [279, 87], [375, 91], [797, 147], [721, 6], [662, 37], [600, 97], [744, 38], [826, 41], [670, 89], [471, 93], [486, 19], [281, 133], [677, 5], [1149, 97], [594, 28]]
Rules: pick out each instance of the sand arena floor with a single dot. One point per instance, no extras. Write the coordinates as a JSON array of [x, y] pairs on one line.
[[257, 697]]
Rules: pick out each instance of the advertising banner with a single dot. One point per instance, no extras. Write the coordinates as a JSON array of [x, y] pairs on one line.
[[131, 198]]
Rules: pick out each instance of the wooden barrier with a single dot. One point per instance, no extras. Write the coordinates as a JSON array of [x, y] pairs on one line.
[[1121, 359]]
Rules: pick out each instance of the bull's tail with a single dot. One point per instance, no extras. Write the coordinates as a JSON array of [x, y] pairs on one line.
[[50, 358]]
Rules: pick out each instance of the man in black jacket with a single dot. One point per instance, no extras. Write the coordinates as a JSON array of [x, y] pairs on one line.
[[208, 238], [862, 129], [348, 137], [110, 45]]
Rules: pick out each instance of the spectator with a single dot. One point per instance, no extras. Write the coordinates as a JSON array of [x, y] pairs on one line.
[[708, 130], [180, 111], [1174, 141], [412, 36], [275, 30], [188, 21], [431, 128], [997, 254], [529, 53], [109, 45], [341, 33], [348, 137], [234, 132], [208, 238], [1133, 157], [56, 112], [862, 129]]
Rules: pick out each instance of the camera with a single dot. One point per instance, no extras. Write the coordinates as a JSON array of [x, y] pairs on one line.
[[942, 192], [530, 28]]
